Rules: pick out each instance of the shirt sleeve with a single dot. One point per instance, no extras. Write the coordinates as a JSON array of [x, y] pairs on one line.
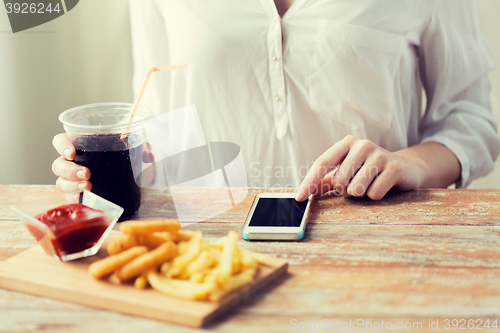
[[149, 48], [454, 64]]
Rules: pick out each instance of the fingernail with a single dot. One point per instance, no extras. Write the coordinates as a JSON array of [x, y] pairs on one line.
[[80, 174], [349, 190], [339, 189], [300, 195], [81, 186], [67, 153]]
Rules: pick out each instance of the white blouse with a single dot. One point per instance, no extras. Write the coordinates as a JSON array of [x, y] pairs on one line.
[[286, 89]]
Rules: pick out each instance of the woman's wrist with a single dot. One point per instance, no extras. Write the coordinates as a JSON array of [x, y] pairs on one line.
[[434, 164]]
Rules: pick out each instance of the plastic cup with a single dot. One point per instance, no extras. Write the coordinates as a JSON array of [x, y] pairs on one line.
[[115, 164]]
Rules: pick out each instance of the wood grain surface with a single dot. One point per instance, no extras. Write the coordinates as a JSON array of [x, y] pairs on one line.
[[414, 257]]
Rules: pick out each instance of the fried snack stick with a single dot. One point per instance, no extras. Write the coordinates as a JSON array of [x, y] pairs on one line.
[[182, 236], [152, 259], [225, 268], [121, 244], [108, 265], [192, 251], [204, 260], [261, 258], [180, 288], [166, 266], [145, 227], [164, 236], [232, 283], [141, 282], [151, 241]]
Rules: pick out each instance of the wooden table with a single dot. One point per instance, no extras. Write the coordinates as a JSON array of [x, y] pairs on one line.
[[413, 257]]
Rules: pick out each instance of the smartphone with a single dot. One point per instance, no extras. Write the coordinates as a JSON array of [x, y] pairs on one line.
[[277, 216]]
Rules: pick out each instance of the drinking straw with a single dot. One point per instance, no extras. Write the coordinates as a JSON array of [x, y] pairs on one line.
[[144, 84]]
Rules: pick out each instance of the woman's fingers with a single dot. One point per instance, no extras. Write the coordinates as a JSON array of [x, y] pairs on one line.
[[323, 165], [360, 152], [365, 176], [69, 186], [72, 177], [326, 183], [382, 184], [64, 146], [69, 170], [147, 154]]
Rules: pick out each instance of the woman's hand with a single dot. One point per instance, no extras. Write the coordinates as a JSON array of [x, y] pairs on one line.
[[365, 169], [72, 177]]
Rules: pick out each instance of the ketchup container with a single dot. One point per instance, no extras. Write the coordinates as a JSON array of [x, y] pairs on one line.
[[68, 228]]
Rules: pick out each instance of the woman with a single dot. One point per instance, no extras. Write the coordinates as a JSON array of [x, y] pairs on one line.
[[326, 81]]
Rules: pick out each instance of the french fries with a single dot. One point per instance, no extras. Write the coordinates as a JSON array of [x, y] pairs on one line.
[[180, 288], [107, 265], [141, 282], [122, 244], [152, 259], [145, 227], [150, 240], [178, 262]]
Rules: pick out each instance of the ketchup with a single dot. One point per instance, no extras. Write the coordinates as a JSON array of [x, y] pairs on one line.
[[76, 227]]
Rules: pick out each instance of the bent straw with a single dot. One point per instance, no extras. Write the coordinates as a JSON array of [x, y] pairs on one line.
[[144, 84]]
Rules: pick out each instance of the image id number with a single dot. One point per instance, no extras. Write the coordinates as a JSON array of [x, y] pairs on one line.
[[31, 8], [470, 324]]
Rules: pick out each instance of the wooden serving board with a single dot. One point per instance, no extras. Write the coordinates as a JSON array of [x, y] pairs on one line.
[[35, 272]]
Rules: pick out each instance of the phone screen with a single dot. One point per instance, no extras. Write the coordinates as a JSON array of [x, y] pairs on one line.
[[278, 212]]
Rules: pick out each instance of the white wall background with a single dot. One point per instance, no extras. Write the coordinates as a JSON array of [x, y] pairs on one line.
[[84, 57], [79, 58]]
